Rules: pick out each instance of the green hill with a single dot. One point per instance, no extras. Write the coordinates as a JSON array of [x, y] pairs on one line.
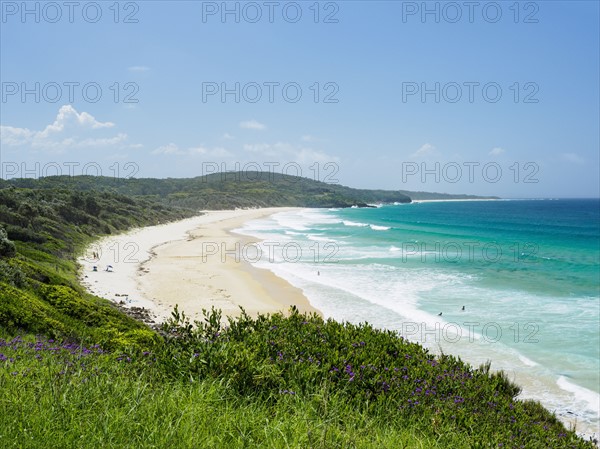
[[234, 190], [224, 191], [417, 196]]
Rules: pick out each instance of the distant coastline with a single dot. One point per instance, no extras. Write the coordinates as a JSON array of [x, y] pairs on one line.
[[455, 200]]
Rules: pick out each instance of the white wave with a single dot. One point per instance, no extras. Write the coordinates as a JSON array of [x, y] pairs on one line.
[[379, 228], [527, 361], [311, 217], [354, 223], [255, 226], [290, 221], [589, 397], [319, 238]]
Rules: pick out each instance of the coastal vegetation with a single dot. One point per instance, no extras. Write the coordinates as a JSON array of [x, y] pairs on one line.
[[233, 190], [271, 381], [42, 231], [77, 371], [225, 190]]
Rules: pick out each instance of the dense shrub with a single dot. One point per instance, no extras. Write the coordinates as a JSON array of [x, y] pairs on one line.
[[12, 274], [7, 247], [23, 234], [51, 225], [376, 372]]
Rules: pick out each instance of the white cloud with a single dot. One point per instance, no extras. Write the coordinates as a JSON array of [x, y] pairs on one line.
[[69, 130], [573, 158], [285, 152], [214, 152], [170, 148], [220, 152], [228, 136], [138, 68], [253, 124], [309, 156], [496, 151], [263, 148], [68, 116], [173, 149], [104, 142], [198, 150], [425, 150], [11, 136], [312, 139]]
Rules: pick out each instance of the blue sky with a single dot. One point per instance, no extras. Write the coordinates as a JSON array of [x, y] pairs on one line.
[[511, 103]]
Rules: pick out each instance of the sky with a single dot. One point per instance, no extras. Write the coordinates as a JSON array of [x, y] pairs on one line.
[[490, 98]]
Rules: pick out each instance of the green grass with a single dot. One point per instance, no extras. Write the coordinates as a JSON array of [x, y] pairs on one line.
[[267, 382], [94, 400]]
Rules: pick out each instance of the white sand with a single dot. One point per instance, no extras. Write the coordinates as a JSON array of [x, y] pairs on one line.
[[160, 266]]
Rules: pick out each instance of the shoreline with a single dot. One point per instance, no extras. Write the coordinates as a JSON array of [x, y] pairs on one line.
[[157, 267], [341, 306], [169, 270]]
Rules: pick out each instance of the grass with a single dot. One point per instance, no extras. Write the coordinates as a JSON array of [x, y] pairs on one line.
[[86, 398], [272, 381]]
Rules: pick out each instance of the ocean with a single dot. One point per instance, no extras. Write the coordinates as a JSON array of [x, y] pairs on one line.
[[512, 281]]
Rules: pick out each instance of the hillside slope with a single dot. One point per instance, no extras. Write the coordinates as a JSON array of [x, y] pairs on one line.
[[225, 191]]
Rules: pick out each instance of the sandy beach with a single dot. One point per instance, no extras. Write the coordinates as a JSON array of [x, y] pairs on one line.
[[193, 263]]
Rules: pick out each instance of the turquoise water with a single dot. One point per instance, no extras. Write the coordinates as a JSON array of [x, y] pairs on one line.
[[527, 273]]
